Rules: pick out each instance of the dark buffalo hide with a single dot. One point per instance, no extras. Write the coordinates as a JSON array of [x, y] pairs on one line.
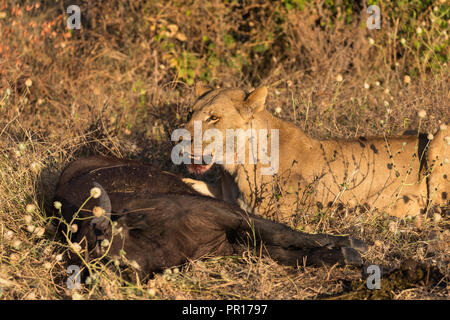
[[155, 219]]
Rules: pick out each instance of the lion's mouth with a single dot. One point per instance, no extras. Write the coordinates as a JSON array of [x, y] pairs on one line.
[[199, 169]]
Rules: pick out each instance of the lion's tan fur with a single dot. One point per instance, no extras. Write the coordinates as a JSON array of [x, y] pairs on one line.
[[400, 175]]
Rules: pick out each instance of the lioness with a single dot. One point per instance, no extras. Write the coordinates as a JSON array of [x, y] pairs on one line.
[[400, 175]]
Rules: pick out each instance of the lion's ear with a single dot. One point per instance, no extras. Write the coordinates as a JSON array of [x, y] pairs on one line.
[[200, 88], [255, 101]]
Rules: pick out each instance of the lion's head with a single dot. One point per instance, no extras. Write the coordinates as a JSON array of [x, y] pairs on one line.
[[215, 114]]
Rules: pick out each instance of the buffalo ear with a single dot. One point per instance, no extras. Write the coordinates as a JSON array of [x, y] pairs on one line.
[[255, 101], [200, 88]]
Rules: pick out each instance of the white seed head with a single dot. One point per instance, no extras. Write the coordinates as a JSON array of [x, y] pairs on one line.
[[437, 217], [39, 231], [8, 235], [105, 243], [88, 280], [74, 228], [30, 228], [29, 82], [393, 227], [407, 79], [28, 219], [371, 41], [422, 114], [168, 271], [76, 247], [419, 30], [77, 296], [98, 211], [278, 110], [430, 136], [386, 103], [135, 265], [366, 85], [22, 146], [403, 41], [35, 166], [377, 83], [59, 257], [443, 127], [96, 192], [339, 78], [17, 244], [57, 205], [151, 292], [30, 208]]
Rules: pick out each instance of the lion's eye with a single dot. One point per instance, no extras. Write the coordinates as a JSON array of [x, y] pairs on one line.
[[212, 118]]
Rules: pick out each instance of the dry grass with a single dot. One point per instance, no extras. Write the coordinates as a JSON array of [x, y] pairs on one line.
[[116, 87]]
